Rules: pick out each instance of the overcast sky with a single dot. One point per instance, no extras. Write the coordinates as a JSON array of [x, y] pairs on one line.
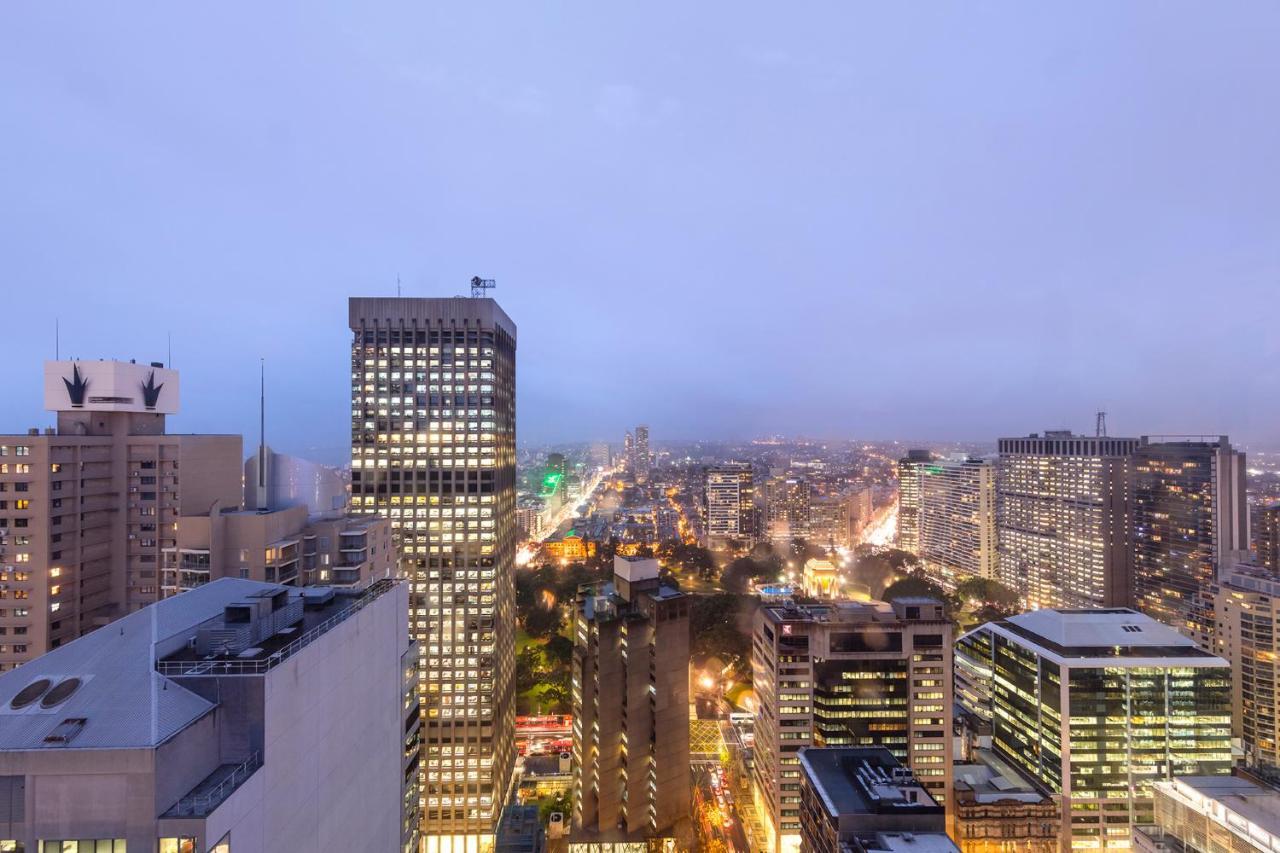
[[725, 219]]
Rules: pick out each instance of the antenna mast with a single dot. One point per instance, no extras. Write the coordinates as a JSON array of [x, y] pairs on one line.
[[479, 286], [1101, 429], [262, 436]]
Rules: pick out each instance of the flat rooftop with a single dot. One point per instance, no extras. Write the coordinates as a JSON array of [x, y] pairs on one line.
[[907, 842], [861, 780], [1118, 635], [1257, 803]]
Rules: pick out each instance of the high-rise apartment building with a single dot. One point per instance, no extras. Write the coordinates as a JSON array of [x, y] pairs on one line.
[[957, 519], [1096, 705], [433, 449], [1268, 538], [909, 498], [730, 503], [1064, 521], [848, 674], [88, 509], [1247, 612], [640, 459], [1189, 516], [238, 716], [787, 506], [631, 707]]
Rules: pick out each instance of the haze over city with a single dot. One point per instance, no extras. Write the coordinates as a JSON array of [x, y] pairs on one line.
[[854, 221]]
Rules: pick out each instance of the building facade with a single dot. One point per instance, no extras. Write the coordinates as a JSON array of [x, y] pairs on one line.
[[1189, 514], [640, 458], [909, 498], [848, 674], [88, 509], [209, 722], [1064, 524], [1000, 810], [730, 503], [630, 682], [1247, 611], [957, 519], [1268, 537], [787, 504], [433, 450], [1096, 705]]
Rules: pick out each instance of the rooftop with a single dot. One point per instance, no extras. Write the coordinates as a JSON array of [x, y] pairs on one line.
[[992, 779], [1257, 804], [864, 780], [1115, 635], [906, 842]]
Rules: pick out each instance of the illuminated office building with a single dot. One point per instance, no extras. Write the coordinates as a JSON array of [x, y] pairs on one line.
[[1189, 514], [787, 505], [730, 503], [1247, 611], [848, 674], [909, 498], [640, 458], [1063, 519], [1212, 814], [433, 449], [957, 519], [1095, 706]]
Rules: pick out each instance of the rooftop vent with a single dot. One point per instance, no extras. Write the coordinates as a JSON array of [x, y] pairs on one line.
[[1132, 629], [29, 694], [65, 731], [61, 693]]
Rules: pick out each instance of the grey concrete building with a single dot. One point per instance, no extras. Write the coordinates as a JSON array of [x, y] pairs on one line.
[[238, 716], [861, 799], [433, 449], [631, 707]]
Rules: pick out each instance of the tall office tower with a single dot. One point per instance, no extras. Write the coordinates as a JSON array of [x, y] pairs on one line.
[[909, 498], [848, 674], [1063, 519], [641, 458], [1246, 610], [1189, 515], [1096, 705], [238, 716], [787, 504], [629, 451], [957, 519], [631, 707], [87, 510], [433, 449], [861, 799], [1268, 538], [730, 503]]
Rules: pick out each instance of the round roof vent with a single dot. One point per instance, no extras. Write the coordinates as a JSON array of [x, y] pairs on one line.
[[61, 693], [30, 693]]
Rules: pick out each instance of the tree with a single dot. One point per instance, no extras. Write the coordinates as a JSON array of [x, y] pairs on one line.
[[982, 592], [912, 586], [719, 626], [559, 650], [541, 621]]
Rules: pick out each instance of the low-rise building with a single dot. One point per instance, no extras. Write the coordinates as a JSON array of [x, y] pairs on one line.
[[999, 810], [238, 716], [858, 799], [1209, 814]]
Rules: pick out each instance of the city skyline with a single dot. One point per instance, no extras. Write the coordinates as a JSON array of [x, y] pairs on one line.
[[1059, 212]]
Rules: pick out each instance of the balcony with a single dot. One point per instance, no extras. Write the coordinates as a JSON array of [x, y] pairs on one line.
[[215, 789]]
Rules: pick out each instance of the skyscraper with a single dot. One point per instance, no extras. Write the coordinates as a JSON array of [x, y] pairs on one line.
[[909, 498], [87, 510], [731, 502], [433, 448], [1189, 514], [1268, 537], [957, 519], [848, 674], [1063, 519], [1246, 611], [640, 459], [1096, 705], [787, 505]]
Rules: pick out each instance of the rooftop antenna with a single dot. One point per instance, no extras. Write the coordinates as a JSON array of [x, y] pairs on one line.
[[480, 285], [397, 285], [169, 358], [57, 340], [1101, 429], [261, 500]]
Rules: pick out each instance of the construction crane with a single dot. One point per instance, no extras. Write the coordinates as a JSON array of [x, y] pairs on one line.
[[480, 285]]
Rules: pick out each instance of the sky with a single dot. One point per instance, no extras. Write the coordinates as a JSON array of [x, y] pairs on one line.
[[725, 219]]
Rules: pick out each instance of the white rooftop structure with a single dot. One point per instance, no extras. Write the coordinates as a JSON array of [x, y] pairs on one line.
[[1106, 637], [635, 569]]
